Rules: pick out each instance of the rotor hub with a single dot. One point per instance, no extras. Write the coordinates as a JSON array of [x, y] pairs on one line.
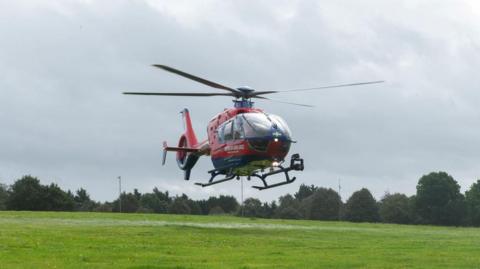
[[245, 90]]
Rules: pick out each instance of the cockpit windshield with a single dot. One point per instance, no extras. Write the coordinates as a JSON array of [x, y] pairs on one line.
[[260, 124], [255, 124], [282, 125], [248, 125]]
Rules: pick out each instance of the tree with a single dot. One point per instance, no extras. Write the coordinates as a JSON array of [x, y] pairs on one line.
[[272, 209], [179, 206], [361, 207], [228, 203], [304, 191], [81, 196], [216, 211], [129, 201], [439, 201], [83, 201], [195, 207], [137, 194], [288, 213], [26, 194], [288, 208], [472, 198], [3, 196], [151, 201], [267, 210], [252, 207], [323, 204], [203, 204], [395, 208], [162, 196], [288, 201], [55, 199]]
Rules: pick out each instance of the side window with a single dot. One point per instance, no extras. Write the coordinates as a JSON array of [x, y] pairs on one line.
[[227, 132], [220, 134], [237, 129]]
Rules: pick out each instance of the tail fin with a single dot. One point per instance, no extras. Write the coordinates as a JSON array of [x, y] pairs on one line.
[[166, 148], [187, 149], [189, 133], [164, 152]]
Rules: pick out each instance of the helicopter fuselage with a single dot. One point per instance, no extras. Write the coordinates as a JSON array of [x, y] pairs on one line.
[[244, 140]]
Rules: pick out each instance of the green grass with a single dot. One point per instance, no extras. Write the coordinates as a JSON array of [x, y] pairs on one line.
[[107, 240]]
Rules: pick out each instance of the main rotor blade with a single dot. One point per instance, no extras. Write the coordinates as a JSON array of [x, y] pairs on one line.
[[278, 101], [197, 79], [336, 86], [195, 94], [257, 93], [318, 88]]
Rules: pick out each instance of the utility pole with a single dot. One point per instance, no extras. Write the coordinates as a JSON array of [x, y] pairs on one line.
[[339, 189], [340, 205], [241, 195], [120, 193]]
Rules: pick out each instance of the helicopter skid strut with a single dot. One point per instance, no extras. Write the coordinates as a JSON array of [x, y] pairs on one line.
[[296, 164]]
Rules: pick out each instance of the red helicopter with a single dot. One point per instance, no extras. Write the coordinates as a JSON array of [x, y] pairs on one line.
[[243, 141]]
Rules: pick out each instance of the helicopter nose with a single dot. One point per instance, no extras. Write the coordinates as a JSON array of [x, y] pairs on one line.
[[278, 148]]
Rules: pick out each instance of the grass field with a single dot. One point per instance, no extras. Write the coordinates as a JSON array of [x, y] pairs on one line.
[[107, 240]]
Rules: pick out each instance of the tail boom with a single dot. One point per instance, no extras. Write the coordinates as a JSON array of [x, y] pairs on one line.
[[188, 149]]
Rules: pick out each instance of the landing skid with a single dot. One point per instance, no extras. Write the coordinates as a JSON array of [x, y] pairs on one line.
[[296, 164], [213, 182]]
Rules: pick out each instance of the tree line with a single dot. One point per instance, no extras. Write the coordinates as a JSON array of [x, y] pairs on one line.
[[438, 201]]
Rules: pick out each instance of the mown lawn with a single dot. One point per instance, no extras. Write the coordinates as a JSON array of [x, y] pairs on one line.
[[107, 240]]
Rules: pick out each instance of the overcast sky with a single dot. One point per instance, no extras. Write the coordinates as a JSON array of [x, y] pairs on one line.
[[64, 64]]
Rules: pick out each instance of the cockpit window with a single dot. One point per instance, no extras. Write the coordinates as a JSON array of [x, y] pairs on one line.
[[282, 125], [260, 124], [256, 124], [220, 134], [227, 132], [249, 125], [238, 129]]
